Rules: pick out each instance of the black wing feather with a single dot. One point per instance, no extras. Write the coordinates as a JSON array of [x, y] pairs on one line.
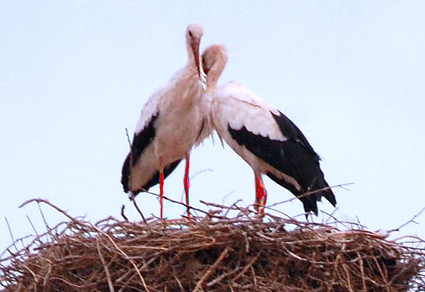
[[294, 157], [140, 141], [143, 138], [291, 131]]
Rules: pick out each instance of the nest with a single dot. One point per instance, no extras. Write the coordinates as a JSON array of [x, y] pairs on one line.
[[212, 253]]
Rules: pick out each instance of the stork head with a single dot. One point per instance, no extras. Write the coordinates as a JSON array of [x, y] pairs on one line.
[[214, 59], [193, 39]]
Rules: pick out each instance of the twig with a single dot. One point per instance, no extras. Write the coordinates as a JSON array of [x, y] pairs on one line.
[[180, 203], [247, 267], [211, 269], [131, 149], [128, 137], [138, 210], [232, 206], [412, 220], [105, 267], [122, 213], [44, 218], [311, 193], [32, 225], [330, 215], [192, 177], [38, 200], [333, 217], [215, 205], [10, 233], [201, 171], [125, 256], [226, 196]]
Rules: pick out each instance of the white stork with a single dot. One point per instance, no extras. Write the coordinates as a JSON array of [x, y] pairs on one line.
[[173, 120], [264, 137]]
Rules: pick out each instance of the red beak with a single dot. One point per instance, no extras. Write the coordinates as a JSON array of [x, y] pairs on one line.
[[195, 49]]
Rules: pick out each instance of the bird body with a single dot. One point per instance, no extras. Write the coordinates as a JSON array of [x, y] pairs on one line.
[[173, 120], [264, 137], [176, 114], [236, 107]]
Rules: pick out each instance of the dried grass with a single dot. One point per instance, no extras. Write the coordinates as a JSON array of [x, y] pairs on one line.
[[212, 253]]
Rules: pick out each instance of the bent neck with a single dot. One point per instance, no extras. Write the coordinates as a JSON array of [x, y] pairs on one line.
[[214, 72]]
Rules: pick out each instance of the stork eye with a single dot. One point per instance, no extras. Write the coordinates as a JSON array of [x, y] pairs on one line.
[[190, 34]]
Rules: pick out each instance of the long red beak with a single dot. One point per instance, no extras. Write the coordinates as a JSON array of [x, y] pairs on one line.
[[195, 49]]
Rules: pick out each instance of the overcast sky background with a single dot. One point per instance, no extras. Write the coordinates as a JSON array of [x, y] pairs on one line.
[[75, 74]]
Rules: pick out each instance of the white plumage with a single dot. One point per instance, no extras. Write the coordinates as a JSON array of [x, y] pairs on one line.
[[234, 102]]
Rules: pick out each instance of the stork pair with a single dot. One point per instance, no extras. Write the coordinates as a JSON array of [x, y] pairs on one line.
[[182, 114]]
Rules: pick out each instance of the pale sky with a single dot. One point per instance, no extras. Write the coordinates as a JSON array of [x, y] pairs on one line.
[[75, 74]]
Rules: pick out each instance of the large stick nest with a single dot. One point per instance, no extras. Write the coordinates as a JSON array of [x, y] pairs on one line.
[[212, 253]]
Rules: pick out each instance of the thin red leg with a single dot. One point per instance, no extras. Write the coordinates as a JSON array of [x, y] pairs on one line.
[[161, 192], [260, 194], [186, 184]]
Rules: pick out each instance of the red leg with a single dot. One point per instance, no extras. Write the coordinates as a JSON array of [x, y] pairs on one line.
[[161, 192], [260, 194], [186, 184]]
